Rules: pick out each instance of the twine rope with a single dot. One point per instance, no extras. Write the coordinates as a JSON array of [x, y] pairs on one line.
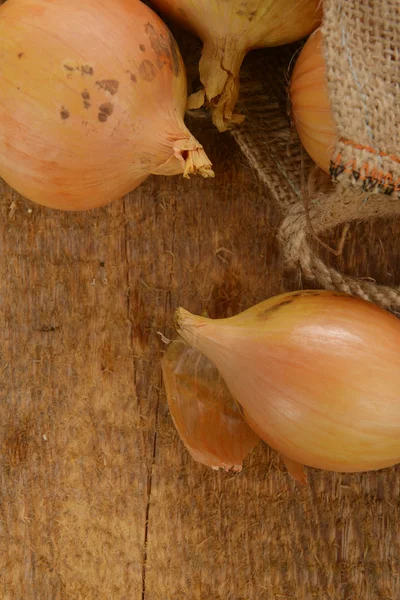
[[296, 231]]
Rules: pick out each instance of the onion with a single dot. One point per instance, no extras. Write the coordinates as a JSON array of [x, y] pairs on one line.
[[311, 109], [207, 418], [92, 99], [317, 374], [230, 29]]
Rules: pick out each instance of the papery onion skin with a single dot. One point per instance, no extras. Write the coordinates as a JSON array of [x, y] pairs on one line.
[[295, 469], [92, 99], [205, 415], [310, 104], [317, 374], [231, 29]]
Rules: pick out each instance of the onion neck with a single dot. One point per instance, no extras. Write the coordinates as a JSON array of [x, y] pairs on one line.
[[188, 158], [219, 73], [187, 326], [207, 335]]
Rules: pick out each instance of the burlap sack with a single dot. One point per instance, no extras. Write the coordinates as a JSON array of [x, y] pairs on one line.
[[362, 39], [363, 69]]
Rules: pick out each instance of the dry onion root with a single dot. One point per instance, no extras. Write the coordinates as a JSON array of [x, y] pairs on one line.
[[205, 415], [317, 374], [311, 108], [92, 100], [231, 29]]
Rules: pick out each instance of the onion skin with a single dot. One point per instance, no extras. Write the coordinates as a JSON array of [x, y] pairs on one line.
[[205, 415], [231, 29], [92, 99], [317, 374], [295, 469], [311, 108]]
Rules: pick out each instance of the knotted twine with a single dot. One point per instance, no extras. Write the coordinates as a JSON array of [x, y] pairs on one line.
[[361, 45]]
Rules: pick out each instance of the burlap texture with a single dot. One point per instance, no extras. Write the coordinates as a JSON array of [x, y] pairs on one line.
[[310, 202], [362, 54]]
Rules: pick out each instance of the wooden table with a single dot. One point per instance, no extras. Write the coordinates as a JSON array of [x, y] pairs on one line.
[[98, 498]]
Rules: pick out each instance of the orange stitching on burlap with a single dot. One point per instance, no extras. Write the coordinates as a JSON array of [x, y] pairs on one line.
[[369, 149], [337, 161], [364, 171], [350, 166], [388, 180], [369, 179], [375, 174]]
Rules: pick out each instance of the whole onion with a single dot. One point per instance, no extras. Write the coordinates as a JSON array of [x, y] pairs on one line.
[[231, 28], [92, 99], [311, 108], [317, 374]]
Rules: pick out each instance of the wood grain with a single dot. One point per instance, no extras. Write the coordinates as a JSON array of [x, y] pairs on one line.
[[98, 497]]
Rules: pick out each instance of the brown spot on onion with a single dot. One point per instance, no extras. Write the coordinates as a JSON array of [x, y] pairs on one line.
[[142, 48], [292, 297], [147, 70], [164, 47], [176, 67], [21, 54], [105, 110], [109, 85], [64, 113], [249, 15], [266, 313], [86, 97], [157, 41], [307, 293], [132, 76], [87, 70]]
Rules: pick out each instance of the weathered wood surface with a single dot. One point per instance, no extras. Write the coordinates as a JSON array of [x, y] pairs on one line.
[[98, 498]]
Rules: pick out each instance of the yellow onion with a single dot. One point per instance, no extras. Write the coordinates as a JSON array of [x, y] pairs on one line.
[[92, 99], [311, 108], [205, 415], [230, 29], [317, 374]]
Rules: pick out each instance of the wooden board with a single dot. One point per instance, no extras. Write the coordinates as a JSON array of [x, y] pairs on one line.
[[98, 497]]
